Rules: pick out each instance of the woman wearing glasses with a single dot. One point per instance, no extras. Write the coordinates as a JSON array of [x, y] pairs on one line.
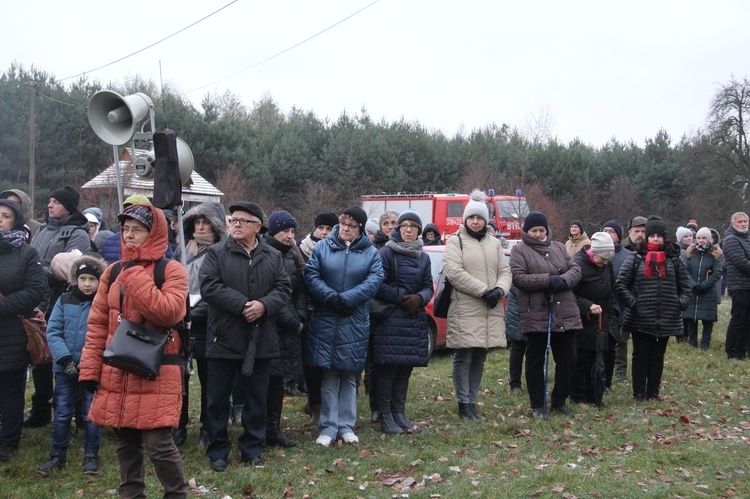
[[475, 265], [343, 273], [401, 342]]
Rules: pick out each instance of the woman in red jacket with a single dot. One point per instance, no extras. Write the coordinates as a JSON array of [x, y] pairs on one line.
[[140, 411]]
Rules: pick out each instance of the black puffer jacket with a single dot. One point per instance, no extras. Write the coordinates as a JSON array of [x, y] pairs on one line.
[[655, 305], [736, 247], [290, 319], [596, 286], [23, 285], [229, 278]]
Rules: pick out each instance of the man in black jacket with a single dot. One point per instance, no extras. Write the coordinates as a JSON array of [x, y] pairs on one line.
[[736, 248], [244, 283]]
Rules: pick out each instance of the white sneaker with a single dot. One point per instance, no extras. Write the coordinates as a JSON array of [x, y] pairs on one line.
[[350, 438], [324, 440]]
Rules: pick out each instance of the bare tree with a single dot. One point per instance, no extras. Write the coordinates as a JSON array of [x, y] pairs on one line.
[[233, 183], [730, 108], [539, 125]]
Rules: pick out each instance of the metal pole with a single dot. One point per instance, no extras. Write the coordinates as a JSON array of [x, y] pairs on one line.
[[118, 178], [32, 144]]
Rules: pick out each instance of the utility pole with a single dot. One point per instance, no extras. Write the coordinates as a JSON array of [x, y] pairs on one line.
[[32, 143]]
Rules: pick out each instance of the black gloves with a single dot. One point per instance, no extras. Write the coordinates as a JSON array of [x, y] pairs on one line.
[[411, 304], [89, 385], [492, 297], [338, 304], [557, 283]]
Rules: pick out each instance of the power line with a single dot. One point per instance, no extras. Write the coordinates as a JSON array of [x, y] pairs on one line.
[[285, 50], [58, 101], [153, 44]]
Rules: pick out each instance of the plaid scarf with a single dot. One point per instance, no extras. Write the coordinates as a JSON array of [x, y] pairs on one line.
[[656, 260]]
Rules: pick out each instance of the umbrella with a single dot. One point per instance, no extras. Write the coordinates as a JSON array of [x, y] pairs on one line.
[[598, 373]]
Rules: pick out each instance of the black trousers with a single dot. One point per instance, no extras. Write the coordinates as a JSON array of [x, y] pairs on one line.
[[648, 363], [581, 384], [515, 362], [564, 354], [738, 330], [392, 387], [221, 373], [41, 400], [12, 388]]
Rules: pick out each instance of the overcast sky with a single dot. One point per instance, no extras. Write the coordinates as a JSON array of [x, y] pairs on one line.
[[593, 69]]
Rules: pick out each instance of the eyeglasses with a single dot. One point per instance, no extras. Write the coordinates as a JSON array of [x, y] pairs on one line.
[[348, 226], [242, 221], [136, 231], [408, 227]]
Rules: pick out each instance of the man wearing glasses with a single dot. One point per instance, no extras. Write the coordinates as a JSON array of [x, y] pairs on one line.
[[244, 283]]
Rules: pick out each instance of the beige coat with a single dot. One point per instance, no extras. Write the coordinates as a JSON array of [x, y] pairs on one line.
[[478, 267], [573, 246]]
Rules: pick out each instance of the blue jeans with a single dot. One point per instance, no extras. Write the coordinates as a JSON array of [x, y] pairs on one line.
[[338, 410], [65, 405]]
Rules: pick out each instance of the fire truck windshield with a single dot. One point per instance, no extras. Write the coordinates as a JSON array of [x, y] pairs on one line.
[[512, 209]]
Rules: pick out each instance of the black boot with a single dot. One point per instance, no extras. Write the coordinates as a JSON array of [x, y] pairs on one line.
[[388, 425], [475, 412], [38, 418], [274, 404], [404, 423], [464, 412], [56, 461], [179, 436], [91, 462]]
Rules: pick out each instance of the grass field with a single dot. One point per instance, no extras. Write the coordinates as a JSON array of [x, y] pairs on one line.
[[694, 444]]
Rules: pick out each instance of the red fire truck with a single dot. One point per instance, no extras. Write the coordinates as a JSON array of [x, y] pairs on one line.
[[446, 210]]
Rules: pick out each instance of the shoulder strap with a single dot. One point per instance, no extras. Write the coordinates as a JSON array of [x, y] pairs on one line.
[[159, 272]]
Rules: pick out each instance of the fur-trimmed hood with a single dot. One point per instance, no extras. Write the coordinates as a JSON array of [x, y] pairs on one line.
[[93, 261], [213, 212], [714, 251]]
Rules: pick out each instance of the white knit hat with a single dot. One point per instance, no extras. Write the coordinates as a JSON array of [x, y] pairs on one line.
[[682, 232], [477, 206], [705, 232], [602, 245]]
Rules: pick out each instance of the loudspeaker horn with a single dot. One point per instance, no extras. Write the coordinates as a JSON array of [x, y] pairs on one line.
[[185, 160], [114, 118]]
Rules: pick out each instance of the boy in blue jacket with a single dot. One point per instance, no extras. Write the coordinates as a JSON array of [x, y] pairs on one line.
[[66, 335]]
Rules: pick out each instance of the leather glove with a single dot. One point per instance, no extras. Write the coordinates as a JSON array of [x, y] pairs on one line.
[[411, 304], [339, 305], [89, 385], [71, 369], [492, 297], [557, 283], [697, 289]]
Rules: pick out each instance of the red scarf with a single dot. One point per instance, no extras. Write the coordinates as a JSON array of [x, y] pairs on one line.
[[656, 259]]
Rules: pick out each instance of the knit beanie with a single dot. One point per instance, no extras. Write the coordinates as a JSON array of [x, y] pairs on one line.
[[371, 227], [68, 197], [614, 224], [86, 267], [682, 232], [578, 224], [692, 224], [602, 245], [135, 199], [328, 218], [359, 216], [477, 206], [705, 232], [279, 221], [411, 216], [535, 219], [656, 226], [138, 212]]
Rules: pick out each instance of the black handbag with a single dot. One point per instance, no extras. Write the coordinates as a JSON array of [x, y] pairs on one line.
[[442, 301], [379, 309], [136, 349]]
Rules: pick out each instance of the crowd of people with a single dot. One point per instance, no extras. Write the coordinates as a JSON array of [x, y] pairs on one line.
[[271, 310]]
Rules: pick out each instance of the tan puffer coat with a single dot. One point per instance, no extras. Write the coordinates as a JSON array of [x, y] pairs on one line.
[[126, 400], [480, 266]]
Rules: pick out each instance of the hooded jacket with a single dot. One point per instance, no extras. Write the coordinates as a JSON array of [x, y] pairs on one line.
[[25, 207], [67, 325], [125, 400], [736, 247], [355, 273], [532, 262], [704, 271], [403, 339], [654, 306], [438, 241], [474, 266], [215, 215], [23, 285], [230, 277]]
